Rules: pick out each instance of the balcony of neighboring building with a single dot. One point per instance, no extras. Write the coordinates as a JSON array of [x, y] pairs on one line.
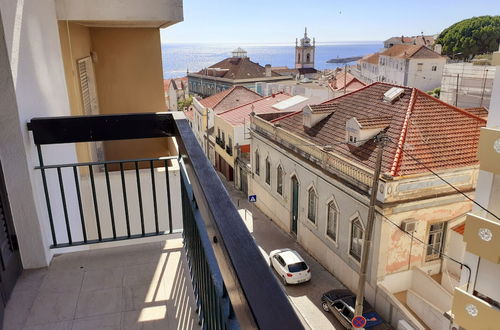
[[474, 311], [482, 237]]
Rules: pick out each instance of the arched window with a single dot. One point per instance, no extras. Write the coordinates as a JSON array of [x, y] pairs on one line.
[[308, 58], [257, 163], [268, 171], [356, 245], [279, 180], [311, 205], [332, 221]]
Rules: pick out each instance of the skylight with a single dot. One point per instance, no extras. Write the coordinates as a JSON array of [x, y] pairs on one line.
[[393, 93]]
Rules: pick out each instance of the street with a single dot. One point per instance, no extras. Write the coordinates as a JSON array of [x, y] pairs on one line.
[[305, 297]]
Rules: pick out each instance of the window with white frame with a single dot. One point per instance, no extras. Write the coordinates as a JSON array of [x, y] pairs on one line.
[[331, 221], [356, 244], [268, 171], [279, 180], [435, 241], [311, 205], [257, 163], [434, 68]]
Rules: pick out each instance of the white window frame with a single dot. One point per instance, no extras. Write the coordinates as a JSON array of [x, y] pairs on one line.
[[279, 177], [267, 169], [257, 162], [436, 247], [314, 209], [353, 218], [333, 202]]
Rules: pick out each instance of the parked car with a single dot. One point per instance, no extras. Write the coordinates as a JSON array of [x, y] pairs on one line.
[[290, 266], [342, 302]]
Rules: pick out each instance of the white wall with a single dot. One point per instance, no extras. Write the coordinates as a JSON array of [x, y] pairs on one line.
[[32, 40], [432, 316], [278, 207], [426, 79], [120, 10], [392, 70]]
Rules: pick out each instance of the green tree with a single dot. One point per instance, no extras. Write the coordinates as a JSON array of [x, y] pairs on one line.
[[183, 104], [472, 36]]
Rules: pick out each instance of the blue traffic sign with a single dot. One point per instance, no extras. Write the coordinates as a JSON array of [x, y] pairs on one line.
[[252, 198], [358, 322]]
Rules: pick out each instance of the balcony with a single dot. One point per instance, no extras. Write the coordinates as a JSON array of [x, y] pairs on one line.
[[481, 236], [229, 150], [489, 150], [471, 312], [96, 206]]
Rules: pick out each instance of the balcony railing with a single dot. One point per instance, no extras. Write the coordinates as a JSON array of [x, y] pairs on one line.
[[115, 200]]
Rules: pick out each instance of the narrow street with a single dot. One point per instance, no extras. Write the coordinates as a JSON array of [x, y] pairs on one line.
[[306, 297]]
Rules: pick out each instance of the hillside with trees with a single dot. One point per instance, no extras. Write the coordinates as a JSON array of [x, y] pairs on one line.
[[470, 37]]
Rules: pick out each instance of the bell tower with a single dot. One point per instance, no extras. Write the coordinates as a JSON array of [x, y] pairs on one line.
[[304, 52]]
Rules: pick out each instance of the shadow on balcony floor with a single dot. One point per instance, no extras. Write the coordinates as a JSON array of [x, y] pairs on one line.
[[144, 286]]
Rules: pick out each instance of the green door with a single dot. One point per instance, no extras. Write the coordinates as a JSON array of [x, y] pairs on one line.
[[295, 205]]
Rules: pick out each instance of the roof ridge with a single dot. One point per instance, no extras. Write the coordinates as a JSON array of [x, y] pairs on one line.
[[404, 130], [286, 116], [463, 111]]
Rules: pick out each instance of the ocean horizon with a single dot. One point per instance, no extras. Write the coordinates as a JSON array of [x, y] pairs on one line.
[[178, 58]]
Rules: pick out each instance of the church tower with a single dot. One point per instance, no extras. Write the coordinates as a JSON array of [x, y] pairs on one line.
[[304, 52]]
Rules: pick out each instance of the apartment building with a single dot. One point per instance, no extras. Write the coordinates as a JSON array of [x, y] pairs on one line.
[[202, 112], [175, 90], [315, 90], [232, 133], [312, 172], [476, 301], [237, 70], [88, 236], [406, 65]]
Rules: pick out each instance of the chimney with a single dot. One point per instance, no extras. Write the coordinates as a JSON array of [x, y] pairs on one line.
[[268, 70]]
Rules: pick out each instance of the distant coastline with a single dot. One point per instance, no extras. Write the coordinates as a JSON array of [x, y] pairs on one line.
[[178, 58]]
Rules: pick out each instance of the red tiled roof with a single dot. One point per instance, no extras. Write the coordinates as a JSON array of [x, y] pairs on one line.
[[216, 99], [236, 68], [460, 228], [410, 51], [240, 114], [372, 58], [351, 83], [479, 111], [374, 122], [438, 134]]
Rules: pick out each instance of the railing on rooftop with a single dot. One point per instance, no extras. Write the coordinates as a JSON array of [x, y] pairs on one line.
[[233, 284]]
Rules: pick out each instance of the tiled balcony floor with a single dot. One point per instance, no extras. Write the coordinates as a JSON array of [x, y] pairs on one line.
[[144, 286]]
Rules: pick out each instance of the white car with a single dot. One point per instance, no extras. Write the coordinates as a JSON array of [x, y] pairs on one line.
[[290, 266]]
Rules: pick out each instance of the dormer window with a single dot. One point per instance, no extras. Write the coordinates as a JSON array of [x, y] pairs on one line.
[[360, 130]]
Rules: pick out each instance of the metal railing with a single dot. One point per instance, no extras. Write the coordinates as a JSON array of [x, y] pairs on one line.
[[233, 284], [132, 227]]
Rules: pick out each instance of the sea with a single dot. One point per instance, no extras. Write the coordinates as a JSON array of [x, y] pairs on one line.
[[181, 58]]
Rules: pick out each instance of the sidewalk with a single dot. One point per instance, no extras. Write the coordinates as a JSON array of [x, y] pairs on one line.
[[305, 297]]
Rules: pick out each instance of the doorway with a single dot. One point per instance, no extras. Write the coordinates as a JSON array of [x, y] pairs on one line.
[[10, 260]]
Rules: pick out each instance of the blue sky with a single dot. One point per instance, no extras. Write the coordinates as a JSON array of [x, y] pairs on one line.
[[281, 21]]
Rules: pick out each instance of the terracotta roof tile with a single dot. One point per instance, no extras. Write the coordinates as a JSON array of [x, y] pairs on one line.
[[240, 114], [342, 78], [479, 111], [459, 229], [410, 51], [236, 68], [438, 134], [372, 58], [216, 99], [374, 122]]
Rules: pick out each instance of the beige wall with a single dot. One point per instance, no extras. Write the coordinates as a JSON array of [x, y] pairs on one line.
[[129, 79], [75, 45]]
